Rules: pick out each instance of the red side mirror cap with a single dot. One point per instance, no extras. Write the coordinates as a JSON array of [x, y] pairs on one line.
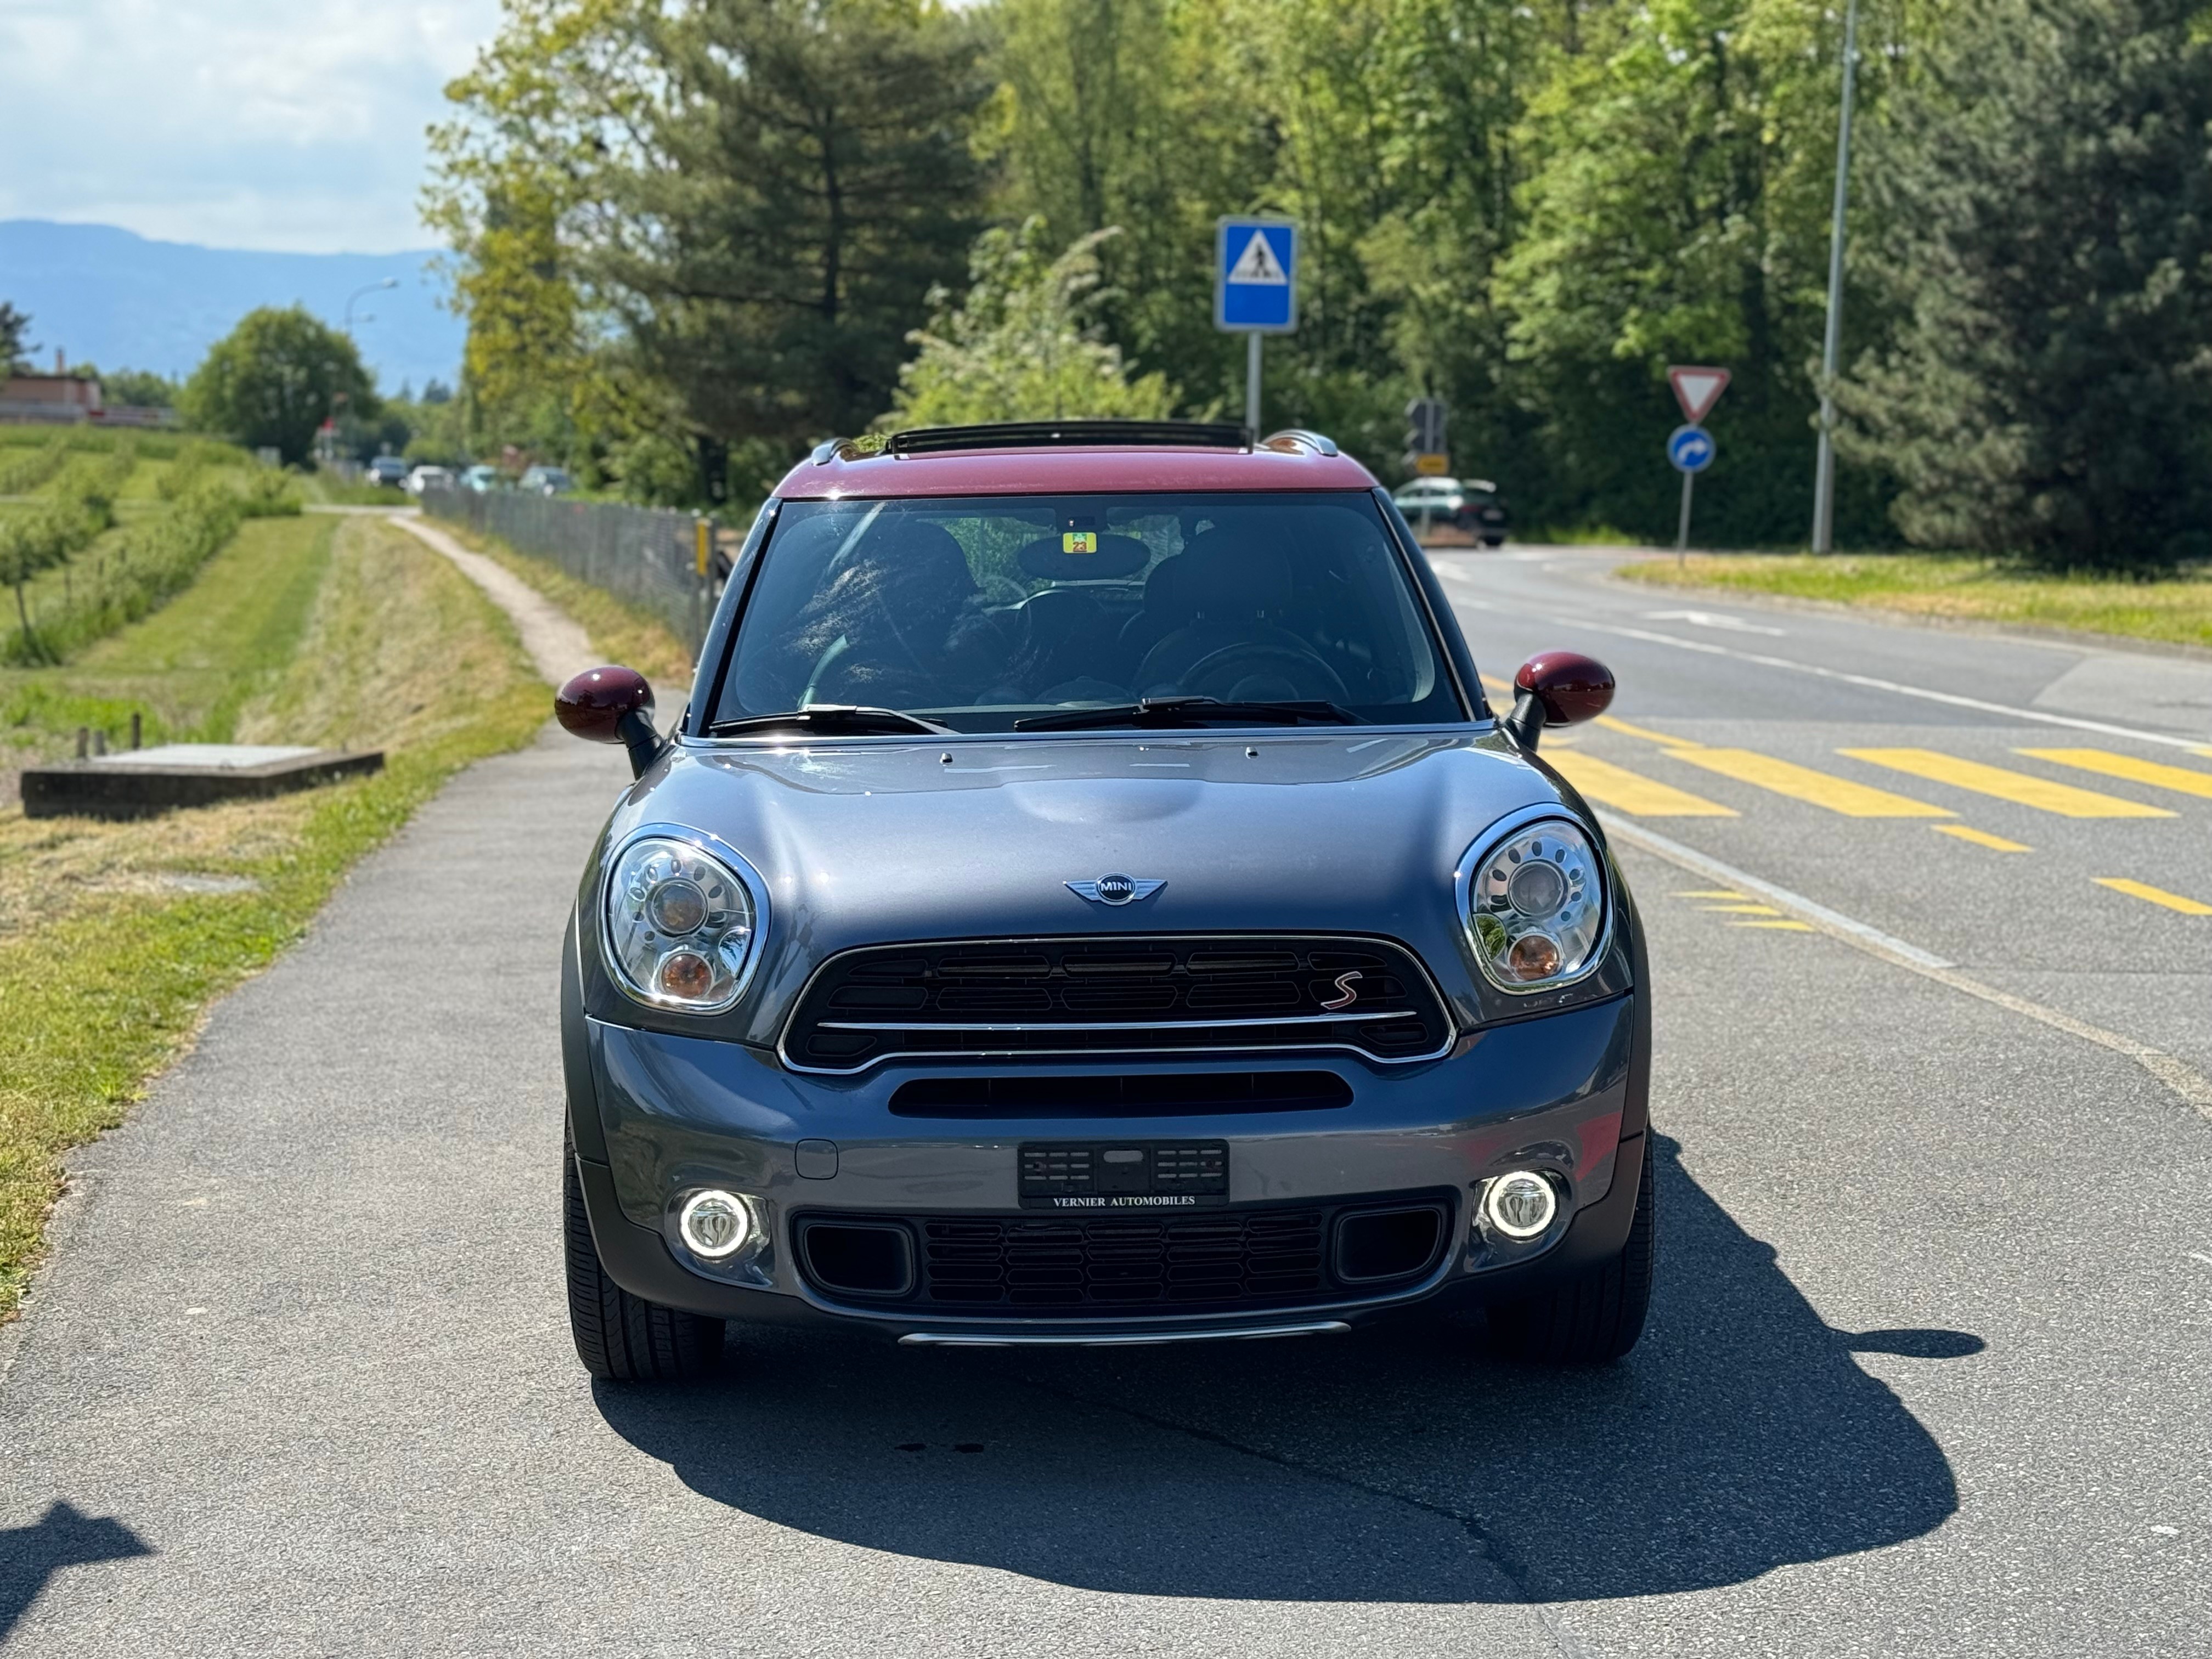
[[1571, 686], [592, 705]]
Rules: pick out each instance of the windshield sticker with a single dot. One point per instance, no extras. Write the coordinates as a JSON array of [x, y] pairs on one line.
[[1080, 541]]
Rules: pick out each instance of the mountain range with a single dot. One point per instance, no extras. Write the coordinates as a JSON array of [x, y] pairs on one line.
[[112, 297]]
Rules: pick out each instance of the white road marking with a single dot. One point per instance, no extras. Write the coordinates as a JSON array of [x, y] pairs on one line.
[[1869, 681], [2182, 1078], [1714, 619]]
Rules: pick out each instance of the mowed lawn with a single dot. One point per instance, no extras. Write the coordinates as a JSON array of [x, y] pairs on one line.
[[115, 937], [2177, 610]]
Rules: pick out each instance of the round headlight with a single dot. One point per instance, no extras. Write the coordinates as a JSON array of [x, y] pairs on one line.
[[680, 925], [1536, 906]]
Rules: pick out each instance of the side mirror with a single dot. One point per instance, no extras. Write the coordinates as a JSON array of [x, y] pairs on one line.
[[612, 705], [1557, 688]]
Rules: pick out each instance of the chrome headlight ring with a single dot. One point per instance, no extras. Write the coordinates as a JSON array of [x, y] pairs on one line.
[[1535, 905], [682, 915]]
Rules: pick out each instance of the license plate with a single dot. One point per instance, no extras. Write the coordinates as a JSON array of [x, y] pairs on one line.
[[1123, 1175]]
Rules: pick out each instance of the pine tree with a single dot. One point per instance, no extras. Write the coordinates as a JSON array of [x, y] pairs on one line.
[[2045, 191]]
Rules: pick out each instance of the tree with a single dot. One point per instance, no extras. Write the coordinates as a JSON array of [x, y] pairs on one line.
[[274, 379], [1020, 345], [1678, 212], [800, 191], [138, 387], [14, 347], [2045, 195], [719, 220]]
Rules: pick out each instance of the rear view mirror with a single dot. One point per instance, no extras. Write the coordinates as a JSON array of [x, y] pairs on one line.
[[1557, 688], [612, 705]]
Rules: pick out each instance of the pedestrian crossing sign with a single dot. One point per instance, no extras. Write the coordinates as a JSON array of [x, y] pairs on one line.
[[1255, 275]]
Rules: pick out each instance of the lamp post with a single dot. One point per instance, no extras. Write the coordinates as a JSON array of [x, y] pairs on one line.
[[367, 288], [1823, 470]]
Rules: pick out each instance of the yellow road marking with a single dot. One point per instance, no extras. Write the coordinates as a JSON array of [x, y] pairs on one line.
[[2017, 787], [2185, 779], [1980, 838], [1491, 683], [1643, 732], [2188, 907], [1633, 792], [1779, 927], [1740, 910], [1853, 800]]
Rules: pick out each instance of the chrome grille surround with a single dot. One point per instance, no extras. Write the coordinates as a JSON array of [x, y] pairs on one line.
[[1107, 996]]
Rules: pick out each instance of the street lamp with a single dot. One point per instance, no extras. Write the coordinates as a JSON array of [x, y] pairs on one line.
[[1824, 469], [367, 288]]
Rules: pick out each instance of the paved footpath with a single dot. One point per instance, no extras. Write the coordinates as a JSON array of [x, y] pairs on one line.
[[1925, 1377]]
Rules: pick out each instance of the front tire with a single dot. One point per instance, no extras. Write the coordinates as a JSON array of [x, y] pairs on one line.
[[1593, 1316], [620, 1337]]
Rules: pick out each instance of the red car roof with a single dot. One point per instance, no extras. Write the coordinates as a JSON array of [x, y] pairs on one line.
[[1047, 469]]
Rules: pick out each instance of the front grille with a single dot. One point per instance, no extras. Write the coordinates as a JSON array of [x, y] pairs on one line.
[[1217, 1261], [1173, 994]]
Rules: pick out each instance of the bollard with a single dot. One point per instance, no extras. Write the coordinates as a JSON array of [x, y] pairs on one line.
[[100, 742], [84, 742], [136, 729]]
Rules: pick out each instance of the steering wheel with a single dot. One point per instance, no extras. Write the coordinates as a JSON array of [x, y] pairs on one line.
[[1216, 672]]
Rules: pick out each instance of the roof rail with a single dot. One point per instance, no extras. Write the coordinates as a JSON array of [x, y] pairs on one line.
[[1045, 435], [1320, 443]]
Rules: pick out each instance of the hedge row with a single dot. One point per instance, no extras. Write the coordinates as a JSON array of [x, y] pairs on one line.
[[145, 565], [22, 473]]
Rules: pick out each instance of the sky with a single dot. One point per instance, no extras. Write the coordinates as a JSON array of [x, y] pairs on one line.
[[284, 124]]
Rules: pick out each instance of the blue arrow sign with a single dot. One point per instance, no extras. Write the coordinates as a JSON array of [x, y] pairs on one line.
[[1691, 448], [1256, 264]]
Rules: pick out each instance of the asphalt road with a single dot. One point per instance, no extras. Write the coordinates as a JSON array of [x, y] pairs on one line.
[[1927, 1372]]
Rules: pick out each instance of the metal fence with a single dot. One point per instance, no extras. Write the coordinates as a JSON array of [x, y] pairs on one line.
[[661, 560]]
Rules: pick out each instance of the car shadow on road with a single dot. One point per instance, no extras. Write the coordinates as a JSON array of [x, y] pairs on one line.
[[1403, 1464]]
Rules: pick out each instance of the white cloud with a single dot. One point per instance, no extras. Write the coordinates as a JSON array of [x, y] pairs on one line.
[[291, 124]]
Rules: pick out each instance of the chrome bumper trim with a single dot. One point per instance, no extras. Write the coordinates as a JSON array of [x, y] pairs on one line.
[[1148, 1339]]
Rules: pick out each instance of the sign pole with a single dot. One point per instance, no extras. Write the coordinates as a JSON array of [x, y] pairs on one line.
[[1824, 467], [1252, 383], [1682, 530]]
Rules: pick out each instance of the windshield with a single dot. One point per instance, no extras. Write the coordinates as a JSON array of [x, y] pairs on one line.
[[977, 613]]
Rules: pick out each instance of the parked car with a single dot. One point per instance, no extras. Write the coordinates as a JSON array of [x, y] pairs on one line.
[[547, 481], [427, 478], [387, 470], [1471, 505], [1088, 899], [481, 478]]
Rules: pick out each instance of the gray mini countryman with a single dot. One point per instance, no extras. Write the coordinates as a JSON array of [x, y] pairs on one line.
[[1087, 899]]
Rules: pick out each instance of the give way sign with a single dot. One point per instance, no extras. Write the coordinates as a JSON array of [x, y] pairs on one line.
[[1696, 390]]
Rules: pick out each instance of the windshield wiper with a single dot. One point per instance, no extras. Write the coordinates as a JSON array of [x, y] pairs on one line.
[[1192, 711], [832, 719]]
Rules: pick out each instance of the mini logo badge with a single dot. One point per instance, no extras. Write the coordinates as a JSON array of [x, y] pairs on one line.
[[1344, 984], [1117, 890]]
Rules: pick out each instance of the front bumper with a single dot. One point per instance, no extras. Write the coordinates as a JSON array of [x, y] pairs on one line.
[[655, 1117]]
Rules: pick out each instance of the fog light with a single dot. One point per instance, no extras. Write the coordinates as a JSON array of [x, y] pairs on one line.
[[1520, 1205], [716, 1225]]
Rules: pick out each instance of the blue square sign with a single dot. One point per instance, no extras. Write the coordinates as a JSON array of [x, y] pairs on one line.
[[1256, 264]]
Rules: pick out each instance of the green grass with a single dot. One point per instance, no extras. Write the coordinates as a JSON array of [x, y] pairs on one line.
[[2177, 610], [105, 969]]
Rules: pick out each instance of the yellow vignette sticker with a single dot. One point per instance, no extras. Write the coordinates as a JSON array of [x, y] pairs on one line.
[[1080, 541]]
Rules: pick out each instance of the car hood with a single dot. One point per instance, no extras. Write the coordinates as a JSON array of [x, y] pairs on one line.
[[869, 843]]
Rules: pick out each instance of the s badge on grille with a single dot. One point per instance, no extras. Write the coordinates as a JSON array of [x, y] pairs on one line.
[[1346, 995], [1117, 890]]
